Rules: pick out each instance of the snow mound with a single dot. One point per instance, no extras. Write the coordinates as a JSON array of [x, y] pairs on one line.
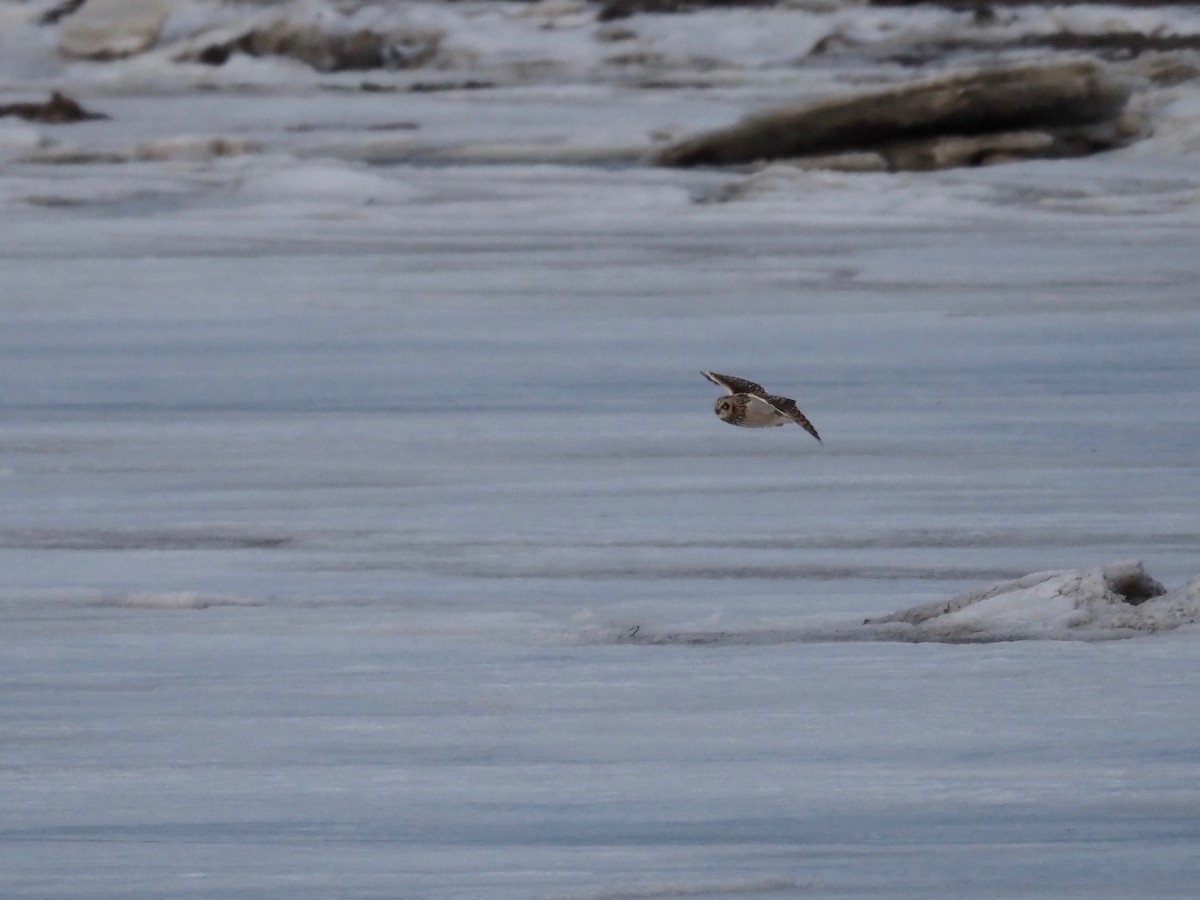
[[111, 29], [322, 183], [1116, 601], [1049, 605], [175, 600], [21, 138]]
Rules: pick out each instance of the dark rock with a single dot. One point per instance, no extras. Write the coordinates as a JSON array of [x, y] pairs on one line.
[[1114, 45], [1132, 584], [64, 9], [969, 5], [612, 34], [1028, 98], [623, 9], [58, 110], [431, 87]]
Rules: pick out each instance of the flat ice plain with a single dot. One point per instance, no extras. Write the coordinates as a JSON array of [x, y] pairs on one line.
[[340, 479]]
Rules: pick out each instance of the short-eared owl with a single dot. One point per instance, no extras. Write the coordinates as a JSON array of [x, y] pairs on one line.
[[750, 406]]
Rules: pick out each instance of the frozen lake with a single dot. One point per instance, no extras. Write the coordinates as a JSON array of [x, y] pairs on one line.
[[334, 482]]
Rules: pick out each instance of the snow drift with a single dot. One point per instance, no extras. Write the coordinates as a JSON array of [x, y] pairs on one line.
[[175, 600], [1116, 601]]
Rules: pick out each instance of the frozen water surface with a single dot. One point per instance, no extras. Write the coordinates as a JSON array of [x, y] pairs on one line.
[[366, 530]]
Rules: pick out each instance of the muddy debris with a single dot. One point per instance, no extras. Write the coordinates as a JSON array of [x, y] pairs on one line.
[[998, 114], [623, 9], [325, 51], [58, 110], [61, 11]]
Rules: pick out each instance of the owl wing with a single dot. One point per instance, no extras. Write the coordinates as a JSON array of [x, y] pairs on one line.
[[734, 385], [788, 407]]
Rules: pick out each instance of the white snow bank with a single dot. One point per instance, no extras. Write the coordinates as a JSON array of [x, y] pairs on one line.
[[17, 140], [175, 600], [1116, 601], [1055, 605], [323, 183], [193, 148]]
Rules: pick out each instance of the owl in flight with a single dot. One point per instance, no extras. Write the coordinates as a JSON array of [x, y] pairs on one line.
[[750, 406]]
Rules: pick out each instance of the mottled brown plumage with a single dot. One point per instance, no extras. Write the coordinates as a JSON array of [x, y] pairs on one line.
[[750, 406]]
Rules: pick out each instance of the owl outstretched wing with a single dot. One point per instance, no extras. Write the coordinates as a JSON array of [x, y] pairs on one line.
[[734, 385], [788, 407]]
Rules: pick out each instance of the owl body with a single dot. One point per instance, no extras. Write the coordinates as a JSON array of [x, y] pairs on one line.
[[748, 405], [749, 411]]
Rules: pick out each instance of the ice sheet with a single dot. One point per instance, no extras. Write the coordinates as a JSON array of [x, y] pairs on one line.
[[346, 481]]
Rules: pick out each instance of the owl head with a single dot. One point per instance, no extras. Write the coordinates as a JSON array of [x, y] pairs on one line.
[[725, 408]]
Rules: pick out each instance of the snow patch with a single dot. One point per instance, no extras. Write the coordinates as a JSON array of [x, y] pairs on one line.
[[1116, 601], [110, 29], [324, 183], [1051, 605], [18, 138], [176, 600], [194, 148]]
